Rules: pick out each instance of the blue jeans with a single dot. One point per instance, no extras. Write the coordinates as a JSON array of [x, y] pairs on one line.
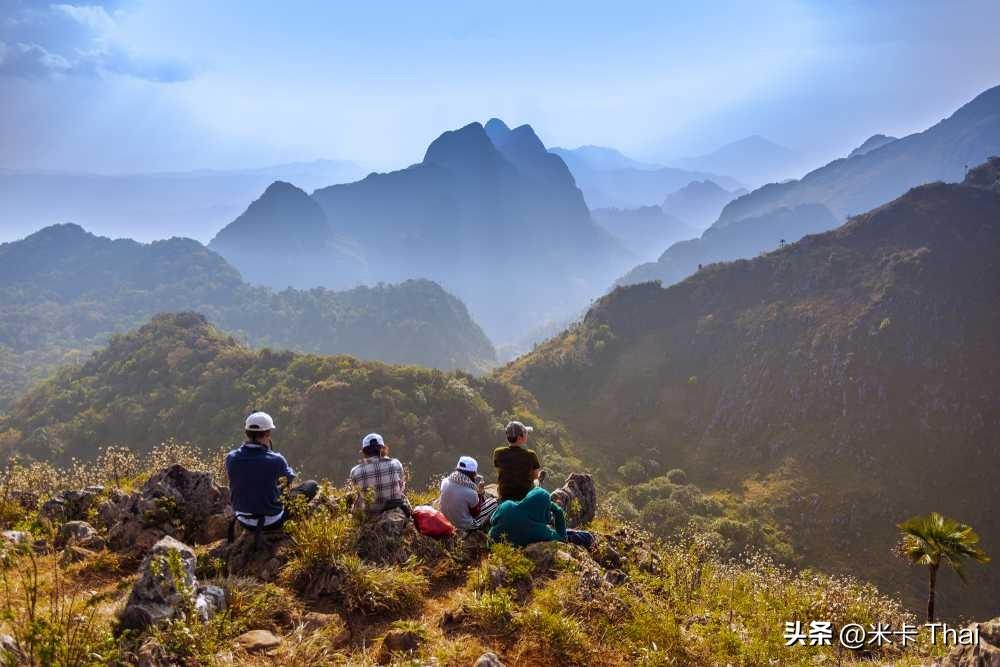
[[582, 538]]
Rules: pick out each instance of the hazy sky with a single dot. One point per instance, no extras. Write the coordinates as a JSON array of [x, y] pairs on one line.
[[146, 85]]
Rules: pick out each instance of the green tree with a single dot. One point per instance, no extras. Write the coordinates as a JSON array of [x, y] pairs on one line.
[[935, 539]]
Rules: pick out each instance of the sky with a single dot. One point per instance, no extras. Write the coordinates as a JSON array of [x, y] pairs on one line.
[[164, 85]]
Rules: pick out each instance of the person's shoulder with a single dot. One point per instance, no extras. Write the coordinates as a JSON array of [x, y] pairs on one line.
[[396, 463], [233, 452]]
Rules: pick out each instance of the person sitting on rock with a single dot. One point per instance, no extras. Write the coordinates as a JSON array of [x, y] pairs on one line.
[[380, 477], [527, 521], [517, 466], [463, 497], [254, 472]]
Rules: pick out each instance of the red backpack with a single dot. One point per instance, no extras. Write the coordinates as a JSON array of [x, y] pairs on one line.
[[431, 522]]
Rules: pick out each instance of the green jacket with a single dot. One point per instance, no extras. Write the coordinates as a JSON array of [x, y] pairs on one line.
[[526, 521]]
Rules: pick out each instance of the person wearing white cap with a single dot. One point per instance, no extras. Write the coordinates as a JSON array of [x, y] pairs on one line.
[[463, 499], [380, 476], [254, 472]]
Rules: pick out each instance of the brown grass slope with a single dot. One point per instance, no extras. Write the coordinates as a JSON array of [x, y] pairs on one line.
[[862, 363]]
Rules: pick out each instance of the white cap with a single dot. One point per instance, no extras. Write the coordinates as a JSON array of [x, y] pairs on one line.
[[259, 421], [372, 439], [467, 463]]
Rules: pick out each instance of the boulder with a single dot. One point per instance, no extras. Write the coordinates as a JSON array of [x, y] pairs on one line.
[[258, 640], [72, 505], [488, 659], [80, 534], [185, 504], [15, 537], [986, 654], [243, 557], [578, 498], [387, 538], [75, 554], [167, 586], [399, 641], [547, 555]]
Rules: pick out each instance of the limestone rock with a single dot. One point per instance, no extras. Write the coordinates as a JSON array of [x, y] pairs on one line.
[[387, 538], [71, 505], [488, 659], [986, 654], [258, 640], [15, 537], [80, 534], [243, 557], [578, 498], [398, 641], [166, 585], [176, 501], [75, 554]]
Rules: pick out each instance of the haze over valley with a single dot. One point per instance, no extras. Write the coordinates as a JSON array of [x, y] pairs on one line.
[[738, 268]]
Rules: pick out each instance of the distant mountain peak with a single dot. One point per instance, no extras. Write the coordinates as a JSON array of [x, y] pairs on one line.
[[463, 148], [871, 143], [496, 130]]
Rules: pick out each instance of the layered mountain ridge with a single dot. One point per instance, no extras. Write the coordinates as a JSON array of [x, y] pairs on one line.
[[857, 367], [488, 213]]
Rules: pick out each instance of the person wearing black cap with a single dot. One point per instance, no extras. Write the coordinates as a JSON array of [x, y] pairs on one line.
[[517, 466]]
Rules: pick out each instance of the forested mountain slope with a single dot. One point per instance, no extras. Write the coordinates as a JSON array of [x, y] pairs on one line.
[[860, 366]]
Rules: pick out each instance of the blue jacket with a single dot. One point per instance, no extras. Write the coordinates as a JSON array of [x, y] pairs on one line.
[[253, 473], [526, 521]]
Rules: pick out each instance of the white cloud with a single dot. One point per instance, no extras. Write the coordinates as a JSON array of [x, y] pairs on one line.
[[76, 40]]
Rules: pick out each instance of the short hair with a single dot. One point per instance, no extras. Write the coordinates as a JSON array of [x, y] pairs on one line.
[[372, 450], [511, 438], [253, 435]]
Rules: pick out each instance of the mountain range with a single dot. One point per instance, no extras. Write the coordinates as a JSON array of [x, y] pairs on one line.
[[851, 379], [64, 291], [609, 179], [488, 213], [943, 152], [881, 169], [179, 377], [149, 206], [753, 160]]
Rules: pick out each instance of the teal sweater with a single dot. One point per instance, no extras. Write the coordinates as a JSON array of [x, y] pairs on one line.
[[527, 520]]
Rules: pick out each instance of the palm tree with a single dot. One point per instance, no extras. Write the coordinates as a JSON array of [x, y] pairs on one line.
[[933, 539]]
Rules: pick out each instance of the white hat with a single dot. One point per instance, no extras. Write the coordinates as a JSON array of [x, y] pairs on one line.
[[259, 421], [372, 439], [467, 464]]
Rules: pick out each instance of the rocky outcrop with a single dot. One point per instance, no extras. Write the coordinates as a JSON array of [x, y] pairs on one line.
[[578, 498], [178, 502], [488, 659], [80, 534], [985, 654], [167, 586], [247, 557], [73, 504], [388, 538]]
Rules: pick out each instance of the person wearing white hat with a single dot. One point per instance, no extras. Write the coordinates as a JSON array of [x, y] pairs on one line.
[[380, 476], [463, 499], [254, 472]]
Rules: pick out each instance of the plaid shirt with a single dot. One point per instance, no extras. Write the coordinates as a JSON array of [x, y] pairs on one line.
[[381, 474]]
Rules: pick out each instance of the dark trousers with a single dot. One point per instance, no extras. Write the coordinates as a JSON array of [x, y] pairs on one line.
[[582, 538], [308, 489]]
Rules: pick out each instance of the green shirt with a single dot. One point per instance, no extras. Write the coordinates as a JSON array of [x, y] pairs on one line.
[[527, 521], [514, 467]]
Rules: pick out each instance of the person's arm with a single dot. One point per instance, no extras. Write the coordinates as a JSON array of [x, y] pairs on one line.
[[285, 469], [402, 473], [560, 519], [536, 467]]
